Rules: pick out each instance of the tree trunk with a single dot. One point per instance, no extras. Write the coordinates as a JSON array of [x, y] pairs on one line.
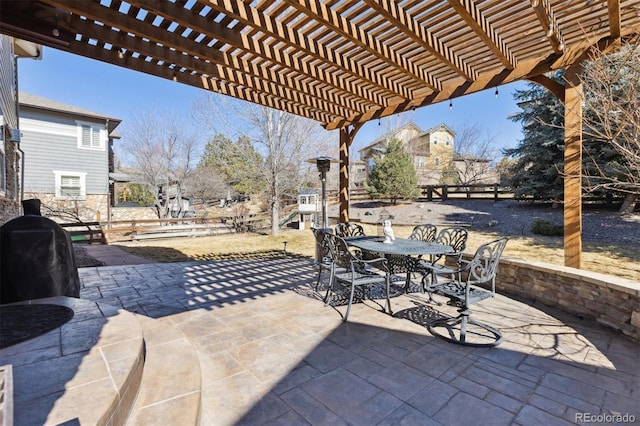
[[274, 219], [629, 203]]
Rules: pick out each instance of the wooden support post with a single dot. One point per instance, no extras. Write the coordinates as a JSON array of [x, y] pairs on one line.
[[573, 168], [344, 175], [346, 138]]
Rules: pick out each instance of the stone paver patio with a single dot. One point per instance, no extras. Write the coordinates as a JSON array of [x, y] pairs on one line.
[[272, 353]]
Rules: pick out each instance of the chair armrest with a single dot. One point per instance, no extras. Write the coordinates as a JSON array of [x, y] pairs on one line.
[[440, 269], [358, 264]]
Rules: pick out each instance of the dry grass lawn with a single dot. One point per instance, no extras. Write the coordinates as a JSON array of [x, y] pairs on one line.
[[611, 259]]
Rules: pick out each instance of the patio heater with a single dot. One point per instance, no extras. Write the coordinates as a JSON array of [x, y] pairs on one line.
[[324, 164]]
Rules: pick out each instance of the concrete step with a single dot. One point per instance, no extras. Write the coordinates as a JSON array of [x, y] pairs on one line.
[[88, 371], [170, 392]]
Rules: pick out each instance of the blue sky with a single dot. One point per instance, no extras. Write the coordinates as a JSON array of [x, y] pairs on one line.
[[118, 92]]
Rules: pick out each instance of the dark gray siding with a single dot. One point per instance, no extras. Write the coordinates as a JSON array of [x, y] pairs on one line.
[[7, 82], [50, 143], [9, 205]]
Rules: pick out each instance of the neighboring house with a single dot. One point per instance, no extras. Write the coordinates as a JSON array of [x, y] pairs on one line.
[[10, 154], [68, 154], [432, 150], [358, 173]]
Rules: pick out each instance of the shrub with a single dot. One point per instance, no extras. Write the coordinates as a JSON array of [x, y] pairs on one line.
[[542, 227]]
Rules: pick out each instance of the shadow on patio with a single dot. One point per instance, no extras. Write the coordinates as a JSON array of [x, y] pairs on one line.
[[288, 359]]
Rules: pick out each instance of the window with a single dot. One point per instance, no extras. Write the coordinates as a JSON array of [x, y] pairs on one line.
[[91, 136], [70, 185], [435, 140], [437, 161]]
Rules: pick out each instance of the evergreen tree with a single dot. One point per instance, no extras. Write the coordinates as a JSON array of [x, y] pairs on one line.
[[393, 175], [238, 162], [611, 129], [538, 160]]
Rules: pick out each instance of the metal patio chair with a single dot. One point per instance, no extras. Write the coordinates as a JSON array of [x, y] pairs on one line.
[[357, 272], [323, 253], [349, 229], [430, 268], [464, 290], [426, 232]]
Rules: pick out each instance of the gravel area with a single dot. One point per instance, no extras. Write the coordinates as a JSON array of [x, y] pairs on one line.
[[507, 217]]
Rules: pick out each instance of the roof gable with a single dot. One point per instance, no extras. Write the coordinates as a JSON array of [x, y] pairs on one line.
[[440, 126], [390, 135], [38, 102]]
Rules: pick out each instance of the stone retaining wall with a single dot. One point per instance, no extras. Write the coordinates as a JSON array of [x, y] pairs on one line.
[[611, 301]]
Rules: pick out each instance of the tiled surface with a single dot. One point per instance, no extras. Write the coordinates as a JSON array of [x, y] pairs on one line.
[[81, 372], [271, 353]]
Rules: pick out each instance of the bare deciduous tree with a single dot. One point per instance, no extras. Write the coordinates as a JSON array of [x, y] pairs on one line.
[[206, 185], [284, 140], [161, 147], [473, 153], [612, 122]]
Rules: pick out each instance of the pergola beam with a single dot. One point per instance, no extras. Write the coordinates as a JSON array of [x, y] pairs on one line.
[[236, 64], [196, 80], [305, 95], [549, 24], [363, 40], [260, 21], [524, 70], [421, 36], [469, 11]]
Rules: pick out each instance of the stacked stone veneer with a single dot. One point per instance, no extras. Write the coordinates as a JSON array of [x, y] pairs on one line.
[[91, 208], [611, 301]]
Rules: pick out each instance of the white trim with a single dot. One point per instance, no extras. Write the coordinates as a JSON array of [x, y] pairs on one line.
[[97, 130], [3, 157], [58, 183]]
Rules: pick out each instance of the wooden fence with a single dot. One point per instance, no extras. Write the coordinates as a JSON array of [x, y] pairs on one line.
[[131, 230], [494, 192], [445, 192]]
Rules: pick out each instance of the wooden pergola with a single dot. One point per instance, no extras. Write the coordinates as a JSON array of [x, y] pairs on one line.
[[345, 62]]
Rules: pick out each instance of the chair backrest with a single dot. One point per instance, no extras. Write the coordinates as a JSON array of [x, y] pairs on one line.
[[322, 241], [454, 237], [425, 233], [339, 250], [483, 266], [348, 229]]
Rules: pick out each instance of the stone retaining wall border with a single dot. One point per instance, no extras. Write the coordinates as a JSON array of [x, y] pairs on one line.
[[608, 300]]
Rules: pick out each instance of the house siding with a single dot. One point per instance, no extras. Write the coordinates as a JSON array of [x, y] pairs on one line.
[[429, 157], [7, 82], [9, 198], [50, 142]]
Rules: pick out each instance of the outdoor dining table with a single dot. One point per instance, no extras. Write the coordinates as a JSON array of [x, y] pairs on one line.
[[399, 252]]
